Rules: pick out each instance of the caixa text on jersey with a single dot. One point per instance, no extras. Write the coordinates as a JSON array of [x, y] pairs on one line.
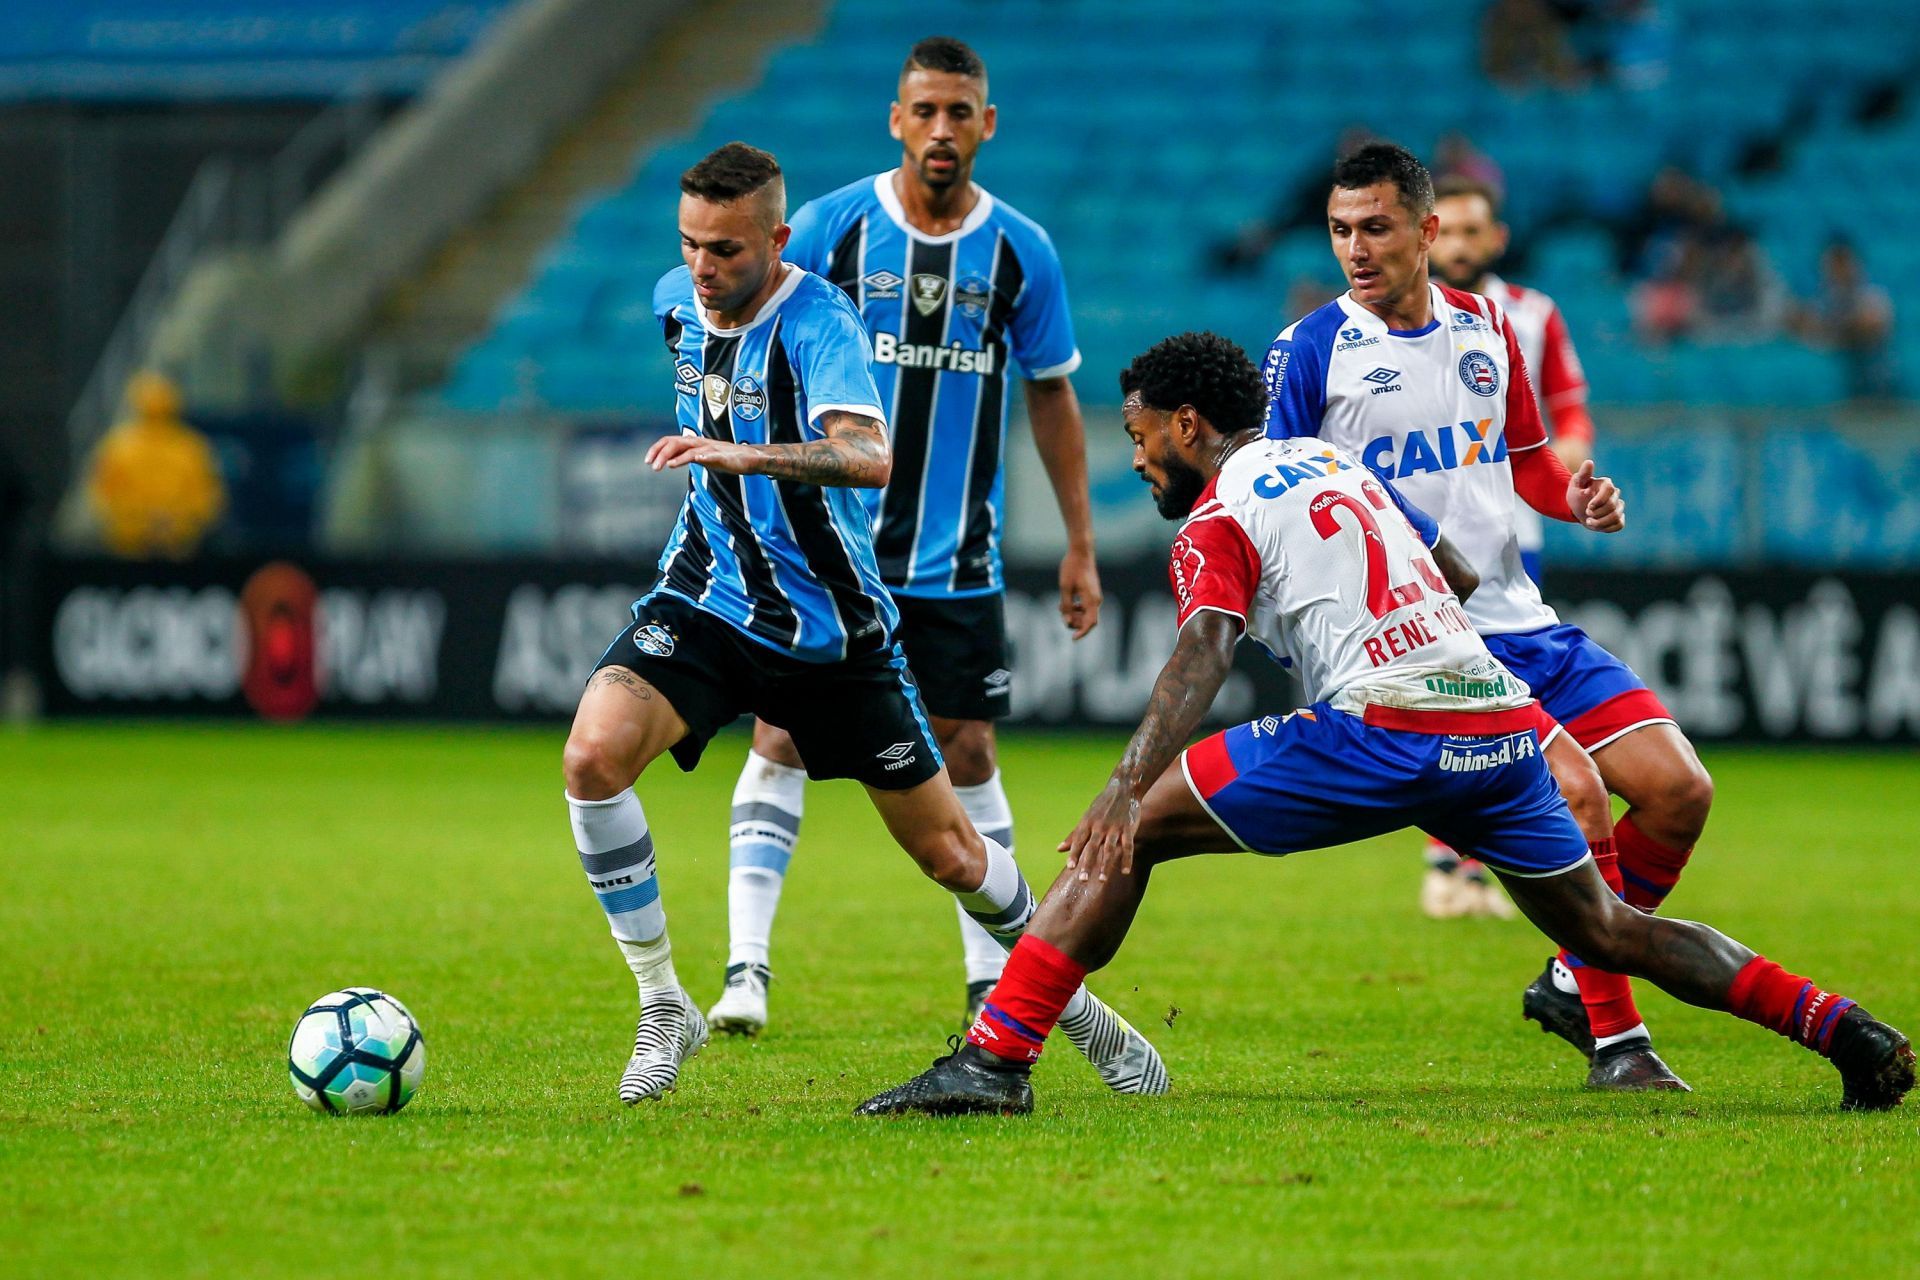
[[954, 358]]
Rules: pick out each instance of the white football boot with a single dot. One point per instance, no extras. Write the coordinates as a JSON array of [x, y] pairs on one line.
[[1122, 1056], [741, 1009], [670, 1032]]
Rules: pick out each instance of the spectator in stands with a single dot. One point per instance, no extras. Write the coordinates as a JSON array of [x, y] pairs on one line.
[[155, 484], [1524, 43], [1855, 318], [1677, 207], [1741, 296]]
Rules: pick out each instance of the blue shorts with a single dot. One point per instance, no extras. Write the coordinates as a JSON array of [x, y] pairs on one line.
[[1595, 696], [1322, 777]]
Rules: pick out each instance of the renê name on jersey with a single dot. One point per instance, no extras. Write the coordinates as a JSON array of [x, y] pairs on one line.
[[1402, 638], [953, 357]]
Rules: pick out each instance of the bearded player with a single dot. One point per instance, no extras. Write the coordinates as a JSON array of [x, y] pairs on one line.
[[1471, 240], [768, 601], [1412, 723], [955, 288], [1427, 386]]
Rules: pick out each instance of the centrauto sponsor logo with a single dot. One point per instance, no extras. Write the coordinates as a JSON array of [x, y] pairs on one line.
[[282, 643], [953, 358]]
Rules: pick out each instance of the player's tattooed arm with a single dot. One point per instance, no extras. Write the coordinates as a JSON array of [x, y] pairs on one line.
[[1102, 844], [854, 455], [1455, 569]]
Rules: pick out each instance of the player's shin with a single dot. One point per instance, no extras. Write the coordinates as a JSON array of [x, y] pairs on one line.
[[768, 803], [1608, 997], [987, 808], [1039, 982], [1648, 869]]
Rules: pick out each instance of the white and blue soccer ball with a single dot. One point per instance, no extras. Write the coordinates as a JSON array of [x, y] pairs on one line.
[[356, 1052]]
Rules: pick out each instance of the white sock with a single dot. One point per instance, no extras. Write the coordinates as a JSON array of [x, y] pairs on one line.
[[987, 808], [616, 851], [1003, 903], [1639, 1032], [767, 805]]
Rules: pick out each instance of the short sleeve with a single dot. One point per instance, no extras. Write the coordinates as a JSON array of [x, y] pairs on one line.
[[1213, 565], [1041, 330], [1296, 378], [831, 358], [1423, 524], [1524, 428]]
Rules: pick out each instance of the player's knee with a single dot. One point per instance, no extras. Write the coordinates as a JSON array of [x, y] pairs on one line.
[[594, 768], [1587, 798], [968, 750], [1690, 799], [951, 858]]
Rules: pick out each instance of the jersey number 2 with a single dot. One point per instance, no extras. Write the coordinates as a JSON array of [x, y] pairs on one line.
[[1383, 596]]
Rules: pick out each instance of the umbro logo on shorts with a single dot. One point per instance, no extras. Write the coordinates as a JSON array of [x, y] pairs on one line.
[[998, 682], [897, 756]]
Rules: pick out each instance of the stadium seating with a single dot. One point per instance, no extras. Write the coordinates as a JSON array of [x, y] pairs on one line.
[[1141, 132]]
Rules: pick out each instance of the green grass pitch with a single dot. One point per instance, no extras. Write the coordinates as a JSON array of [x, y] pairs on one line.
[[1354, 1091]]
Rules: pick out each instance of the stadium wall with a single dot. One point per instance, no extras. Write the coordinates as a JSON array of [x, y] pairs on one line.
[[1779, 655]]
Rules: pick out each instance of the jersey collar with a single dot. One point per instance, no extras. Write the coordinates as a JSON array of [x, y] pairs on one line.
[[761, 316], [884, 193], [1368, 319]]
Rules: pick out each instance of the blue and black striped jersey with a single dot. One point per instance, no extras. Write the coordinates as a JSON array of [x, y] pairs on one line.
[[789, 564], [949, 314]]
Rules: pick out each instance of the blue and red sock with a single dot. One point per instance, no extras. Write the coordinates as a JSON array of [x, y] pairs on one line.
[[1648, 869], [1786, 1003], [1024, 1005]]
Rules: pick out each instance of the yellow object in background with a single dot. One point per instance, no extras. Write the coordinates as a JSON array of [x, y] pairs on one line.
[[156, 484]]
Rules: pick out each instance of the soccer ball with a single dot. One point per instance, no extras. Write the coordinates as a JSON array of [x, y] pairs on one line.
[[356, 1051]]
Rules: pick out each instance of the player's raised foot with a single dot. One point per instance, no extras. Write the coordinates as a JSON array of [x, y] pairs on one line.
[[1631, 1066], [741, 1009], [968, 1081], [1557, 1011], [670, 1032], [1123, 1057], [1445, 894], [1875, 1062]]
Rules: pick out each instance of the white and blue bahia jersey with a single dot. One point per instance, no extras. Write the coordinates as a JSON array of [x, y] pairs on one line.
[[1436, 411], [789, 564], [949, 315]]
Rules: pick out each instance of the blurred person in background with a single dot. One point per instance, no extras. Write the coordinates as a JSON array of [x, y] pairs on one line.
[[1742, 298], [1854, 317], [155, 483], [1524, 43], [1471, 239]]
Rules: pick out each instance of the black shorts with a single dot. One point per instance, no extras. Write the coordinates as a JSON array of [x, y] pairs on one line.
[[860, 718], [958, 652]]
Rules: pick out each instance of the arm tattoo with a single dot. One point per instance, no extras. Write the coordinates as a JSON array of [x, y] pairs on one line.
[[625, 679], [1181, 697], [854, 455]]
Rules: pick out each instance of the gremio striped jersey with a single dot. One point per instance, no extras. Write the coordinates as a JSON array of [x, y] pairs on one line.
[[949, 316], [790, 564]]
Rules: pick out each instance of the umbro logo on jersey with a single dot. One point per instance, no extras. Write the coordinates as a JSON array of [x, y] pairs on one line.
[[881, 285], [929, 291], [897, 756], [686, 377], [716, 391], [1383, 379]]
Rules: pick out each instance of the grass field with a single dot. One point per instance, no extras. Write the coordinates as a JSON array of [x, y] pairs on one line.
[[1354, 1090]]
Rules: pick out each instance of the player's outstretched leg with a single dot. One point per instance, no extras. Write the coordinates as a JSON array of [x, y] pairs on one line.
[[768, 802], [614, 736], [934, 829], [1076, 930], [1704, 967], [1589, 1008]]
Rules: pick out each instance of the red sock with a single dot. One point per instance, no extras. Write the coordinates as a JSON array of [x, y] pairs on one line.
[[1020, 1011], [1787, 1003], [1607, 996], [1647, 867]]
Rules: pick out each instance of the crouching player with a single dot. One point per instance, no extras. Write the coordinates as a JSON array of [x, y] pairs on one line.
[[1412, 723]]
